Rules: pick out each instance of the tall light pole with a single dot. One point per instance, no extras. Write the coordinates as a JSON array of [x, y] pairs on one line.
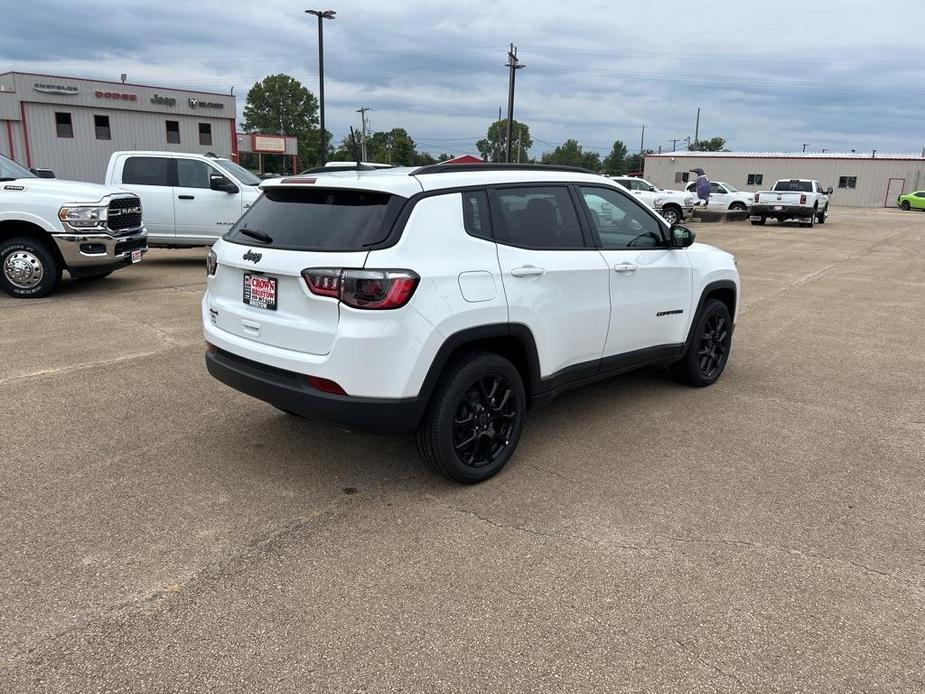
[[513, 64], [362, 111], [321, 15]]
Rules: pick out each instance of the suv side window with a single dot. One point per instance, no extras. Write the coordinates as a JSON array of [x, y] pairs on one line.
[[192, 173], [541, 217], [476, 216], [619, 222], [146, 171]]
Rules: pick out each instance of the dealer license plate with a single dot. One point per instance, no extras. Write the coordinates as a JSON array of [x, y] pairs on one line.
[[260, 291], [136, 256]]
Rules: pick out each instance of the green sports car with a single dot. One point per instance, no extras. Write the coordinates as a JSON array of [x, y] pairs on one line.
[[912, 201]]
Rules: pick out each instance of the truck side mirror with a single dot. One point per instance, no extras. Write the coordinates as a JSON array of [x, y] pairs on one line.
[[220, 183], [829, 191], [43, 173]]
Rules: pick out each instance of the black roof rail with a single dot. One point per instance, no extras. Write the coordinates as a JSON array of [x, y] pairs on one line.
[[456, 168], [348, 166]]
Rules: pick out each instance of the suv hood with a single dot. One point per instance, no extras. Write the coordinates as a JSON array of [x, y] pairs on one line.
[[66, 191]]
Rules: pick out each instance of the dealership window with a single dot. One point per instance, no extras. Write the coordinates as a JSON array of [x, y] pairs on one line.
[[755, 179], [205, 134], [101, 124], [63, 125], [681, 176], [173, 132], [147, 171], [848, 182]]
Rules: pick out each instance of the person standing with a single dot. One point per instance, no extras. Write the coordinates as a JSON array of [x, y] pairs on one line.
[[703, 187]]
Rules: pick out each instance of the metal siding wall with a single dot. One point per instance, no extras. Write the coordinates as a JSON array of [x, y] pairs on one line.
[[84, 158], [873, 174]]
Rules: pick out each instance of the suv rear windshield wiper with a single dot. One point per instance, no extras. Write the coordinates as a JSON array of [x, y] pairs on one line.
[[256, 234]]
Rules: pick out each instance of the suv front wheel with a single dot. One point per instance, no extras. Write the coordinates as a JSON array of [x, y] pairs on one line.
[[474, 419], [708, 351]]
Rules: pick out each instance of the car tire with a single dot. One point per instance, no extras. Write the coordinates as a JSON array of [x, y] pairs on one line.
[[28, 270], [475, 417], [738, 207], [905, 205], [708, 347], [672, 215], [759, 222], [822, 216]]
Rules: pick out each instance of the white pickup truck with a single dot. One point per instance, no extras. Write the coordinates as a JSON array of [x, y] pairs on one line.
[[49, 225], [673, 206], [792, 198], [189, 199]]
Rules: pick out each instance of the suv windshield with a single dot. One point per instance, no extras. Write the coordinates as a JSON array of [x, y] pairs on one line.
[[239, 172], [317, 219], [10, 170]]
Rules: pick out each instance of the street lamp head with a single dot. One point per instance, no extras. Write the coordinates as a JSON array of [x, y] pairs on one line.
[[322, 14]]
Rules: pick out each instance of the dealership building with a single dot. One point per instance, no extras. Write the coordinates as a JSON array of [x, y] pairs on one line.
[[72, 125], [859, 180]]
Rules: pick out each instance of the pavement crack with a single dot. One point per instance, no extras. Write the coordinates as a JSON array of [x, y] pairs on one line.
[[551, 473], [83, 367]]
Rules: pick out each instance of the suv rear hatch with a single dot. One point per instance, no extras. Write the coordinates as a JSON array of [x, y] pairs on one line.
[[258, 291]]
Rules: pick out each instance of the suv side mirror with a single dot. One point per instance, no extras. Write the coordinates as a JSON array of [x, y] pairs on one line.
[[681, 237], [220, 183], [43, 173]]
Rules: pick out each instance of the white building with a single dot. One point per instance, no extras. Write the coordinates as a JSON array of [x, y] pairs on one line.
[[859, 180], [72, 125]]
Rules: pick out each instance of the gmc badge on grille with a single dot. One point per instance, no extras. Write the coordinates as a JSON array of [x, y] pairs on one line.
[[250, 255]]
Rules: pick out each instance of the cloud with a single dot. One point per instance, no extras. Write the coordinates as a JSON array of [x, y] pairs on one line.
[[765, 77]]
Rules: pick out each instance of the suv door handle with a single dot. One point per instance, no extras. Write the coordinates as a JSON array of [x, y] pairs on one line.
[[527, 271], [187, 197], [625, 267]]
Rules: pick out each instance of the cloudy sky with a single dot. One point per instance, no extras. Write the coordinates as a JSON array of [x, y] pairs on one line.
[[837, 74]]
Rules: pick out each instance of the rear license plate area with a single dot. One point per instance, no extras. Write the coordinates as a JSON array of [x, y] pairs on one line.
[[260, 291]]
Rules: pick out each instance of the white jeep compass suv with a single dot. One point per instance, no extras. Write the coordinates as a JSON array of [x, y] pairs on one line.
[[451, 299]]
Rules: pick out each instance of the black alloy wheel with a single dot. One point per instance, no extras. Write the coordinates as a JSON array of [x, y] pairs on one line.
[[905, 205], [474, 419], [714, 345], [484, 421], [710, 342]]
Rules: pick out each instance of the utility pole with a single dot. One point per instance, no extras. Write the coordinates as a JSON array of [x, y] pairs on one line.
[[642, 143], [804, 147], [362, 111], [688, 141], [674, 143], [513, 65], [322, 15]]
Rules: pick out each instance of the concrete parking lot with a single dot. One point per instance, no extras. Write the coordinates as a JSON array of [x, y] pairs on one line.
[[160, 532]]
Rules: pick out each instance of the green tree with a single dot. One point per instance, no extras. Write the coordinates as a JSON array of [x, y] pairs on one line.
[[636, 163], [716, 144], [570, 153], [391, 147], [493, 146], [615, 162], [281, 104]]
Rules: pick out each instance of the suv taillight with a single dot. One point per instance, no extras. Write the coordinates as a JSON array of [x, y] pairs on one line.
[[366, 289], [802, 199], [756, 197]]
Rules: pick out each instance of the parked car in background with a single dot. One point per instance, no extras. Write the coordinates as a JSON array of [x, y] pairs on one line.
[[792, 198], [449, 300], [48, 225], [189, 199], [725, 196], [673, 206], [912, 201]]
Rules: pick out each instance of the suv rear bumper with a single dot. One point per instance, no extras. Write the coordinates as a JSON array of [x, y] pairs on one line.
[[290, 391]]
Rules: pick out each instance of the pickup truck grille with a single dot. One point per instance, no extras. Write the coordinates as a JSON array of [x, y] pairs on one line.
[[124, 213]]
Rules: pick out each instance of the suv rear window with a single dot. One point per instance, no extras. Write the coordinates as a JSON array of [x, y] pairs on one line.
[[319, 219]]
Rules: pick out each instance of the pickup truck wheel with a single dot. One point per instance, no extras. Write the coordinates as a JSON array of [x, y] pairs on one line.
[[671, 214], [759, 222], [475, 418], [822, 216], [708, 351], [28, 270], [905, 205], [738, 207]]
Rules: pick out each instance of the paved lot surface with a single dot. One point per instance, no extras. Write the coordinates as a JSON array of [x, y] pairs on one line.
[[162, 533]]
